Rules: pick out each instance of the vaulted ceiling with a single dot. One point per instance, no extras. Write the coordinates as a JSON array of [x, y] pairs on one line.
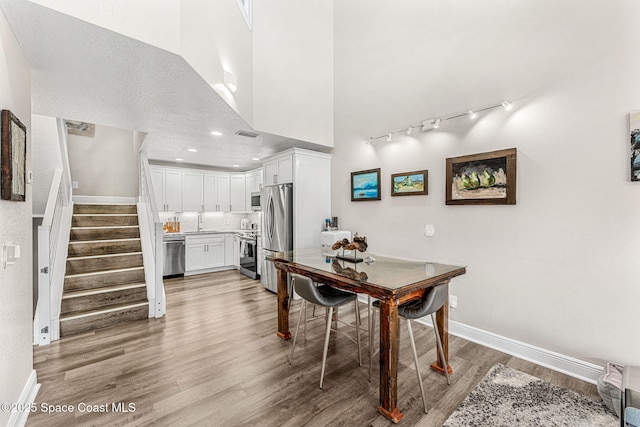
[[84, 72]]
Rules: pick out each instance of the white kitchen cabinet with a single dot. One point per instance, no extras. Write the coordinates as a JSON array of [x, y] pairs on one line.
[[167, 188], [278, 170], [232, 250], [192, 192], [204, 252], [216, 192], [237, 193]]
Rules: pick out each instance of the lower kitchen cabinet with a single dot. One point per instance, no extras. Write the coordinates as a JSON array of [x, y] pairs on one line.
[[204, 252]]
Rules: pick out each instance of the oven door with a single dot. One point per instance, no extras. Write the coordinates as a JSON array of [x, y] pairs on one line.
[[249, 257]]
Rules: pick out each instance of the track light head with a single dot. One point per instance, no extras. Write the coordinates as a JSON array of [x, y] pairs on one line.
[[409, 130], [436, 123], [472, 114], [389, 137], [507, 105]]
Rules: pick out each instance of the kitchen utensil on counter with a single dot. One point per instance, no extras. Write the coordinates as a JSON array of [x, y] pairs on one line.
[[244, 224]]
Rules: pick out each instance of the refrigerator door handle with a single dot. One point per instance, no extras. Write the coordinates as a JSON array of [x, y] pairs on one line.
[[270, 217]]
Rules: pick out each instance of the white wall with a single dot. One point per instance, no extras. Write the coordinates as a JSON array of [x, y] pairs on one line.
[[141, 19], [293, 69], [106, 165], [216, 38], [16, 337], [557, 270], [46, 158]]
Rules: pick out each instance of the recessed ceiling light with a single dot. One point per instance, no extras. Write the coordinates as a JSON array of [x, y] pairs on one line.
[[255, 159], [179, 159], [236, 166], [216, 133], [193, 150]]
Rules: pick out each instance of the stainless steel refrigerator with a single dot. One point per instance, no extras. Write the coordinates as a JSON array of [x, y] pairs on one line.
[[277, 233]]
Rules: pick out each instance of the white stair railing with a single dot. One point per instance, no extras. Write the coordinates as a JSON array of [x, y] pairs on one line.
[[151, 239], [53, 240]]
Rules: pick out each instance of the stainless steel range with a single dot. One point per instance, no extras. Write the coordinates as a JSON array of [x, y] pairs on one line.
[[249, 254]]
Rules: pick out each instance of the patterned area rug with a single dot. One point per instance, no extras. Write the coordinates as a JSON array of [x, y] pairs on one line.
[[506, 397]]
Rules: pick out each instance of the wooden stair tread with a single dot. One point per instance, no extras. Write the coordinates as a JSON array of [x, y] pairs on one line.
[[82, 242], [103, 289], [108, 255], [105, 214], [103, 310], [93, 273], [103, 227]]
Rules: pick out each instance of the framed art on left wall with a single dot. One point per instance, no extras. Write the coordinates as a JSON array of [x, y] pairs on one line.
[[13, 157]]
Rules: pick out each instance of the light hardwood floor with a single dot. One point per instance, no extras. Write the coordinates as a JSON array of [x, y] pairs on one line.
[[215, 360]]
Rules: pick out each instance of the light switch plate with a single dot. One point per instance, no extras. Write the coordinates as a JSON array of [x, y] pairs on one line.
[[9, 254], [429, 230]]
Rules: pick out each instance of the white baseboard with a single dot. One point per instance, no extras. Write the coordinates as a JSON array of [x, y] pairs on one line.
[[27, 397], [108, 200], [585, 371]]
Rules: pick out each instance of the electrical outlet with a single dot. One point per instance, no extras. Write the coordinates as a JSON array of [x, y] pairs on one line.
[[74, 185], [453, 301]]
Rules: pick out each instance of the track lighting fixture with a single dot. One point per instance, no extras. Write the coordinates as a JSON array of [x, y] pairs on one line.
[[434, 123]]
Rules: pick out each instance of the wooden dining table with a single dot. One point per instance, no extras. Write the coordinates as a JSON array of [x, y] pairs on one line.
[[390, 280]]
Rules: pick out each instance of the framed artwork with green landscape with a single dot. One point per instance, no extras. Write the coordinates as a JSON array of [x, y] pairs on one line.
[[409, 183], [482, 179]]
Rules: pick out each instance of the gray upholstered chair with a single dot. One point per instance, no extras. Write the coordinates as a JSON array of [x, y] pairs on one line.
[[329, 298], [433, 299]]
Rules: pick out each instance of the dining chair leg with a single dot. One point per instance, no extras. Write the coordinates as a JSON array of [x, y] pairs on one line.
[[440, 350], [304, 305], [358, 331], [295, 335], [415, 360], [326, 344]]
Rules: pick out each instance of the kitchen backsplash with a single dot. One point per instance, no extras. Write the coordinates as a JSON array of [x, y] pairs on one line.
[[211, 220]]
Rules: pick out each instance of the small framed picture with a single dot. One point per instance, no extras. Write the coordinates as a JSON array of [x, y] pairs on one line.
[[365, 185], [409, 183], [13, 157]]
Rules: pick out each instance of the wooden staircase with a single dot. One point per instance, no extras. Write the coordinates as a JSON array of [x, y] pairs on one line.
[[104, 282]]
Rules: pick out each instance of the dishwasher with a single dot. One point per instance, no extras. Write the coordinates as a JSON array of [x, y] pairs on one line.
[[173, 255]]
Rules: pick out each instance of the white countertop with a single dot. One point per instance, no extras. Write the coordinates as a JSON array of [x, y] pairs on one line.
[[203, 232]]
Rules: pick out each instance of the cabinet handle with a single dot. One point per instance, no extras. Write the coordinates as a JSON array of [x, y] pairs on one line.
[[230, 207], [275, 178]]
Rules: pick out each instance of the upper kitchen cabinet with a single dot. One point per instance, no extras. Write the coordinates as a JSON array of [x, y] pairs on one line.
[[192, 191], [237, 193], [278, 169], [310, 173], [167, 188], [216, 192]]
